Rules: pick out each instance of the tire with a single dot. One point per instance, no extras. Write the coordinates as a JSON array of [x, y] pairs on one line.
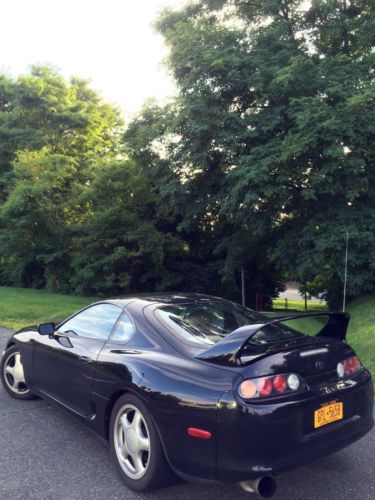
[[148, 469], [12, 375]]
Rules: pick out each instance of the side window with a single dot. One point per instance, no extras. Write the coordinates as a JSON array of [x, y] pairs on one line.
[[124, 329], [96, 322]]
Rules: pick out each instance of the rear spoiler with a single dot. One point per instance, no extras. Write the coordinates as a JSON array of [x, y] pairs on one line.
[[227, 350]]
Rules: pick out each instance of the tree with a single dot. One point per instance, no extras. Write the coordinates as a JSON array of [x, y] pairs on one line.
[[42, 109], [126, 244], [276, 123], [34, 248], [51, 131], [216, 252]]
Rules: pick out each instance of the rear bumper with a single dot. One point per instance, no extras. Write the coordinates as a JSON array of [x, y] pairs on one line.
[[269, 438]]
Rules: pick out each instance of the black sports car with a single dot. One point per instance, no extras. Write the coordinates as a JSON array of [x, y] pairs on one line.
[[197, 386]]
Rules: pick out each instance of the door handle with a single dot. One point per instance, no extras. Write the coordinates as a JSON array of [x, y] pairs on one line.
[[85, 359]]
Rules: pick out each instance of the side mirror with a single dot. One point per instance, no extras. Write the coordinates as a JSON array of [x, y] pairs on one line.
[[46, 328]]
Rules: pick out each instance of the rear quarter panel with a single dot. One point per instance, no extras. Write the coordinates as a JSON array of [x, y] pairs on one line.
[[180, 394]]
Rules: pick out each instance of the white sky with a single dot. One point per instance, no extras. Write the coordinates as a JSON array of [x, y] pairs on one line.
[[110, 42]]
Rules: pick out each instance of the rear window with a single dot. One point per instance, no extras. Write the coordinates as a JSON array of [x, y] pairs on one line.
[[208, 323]]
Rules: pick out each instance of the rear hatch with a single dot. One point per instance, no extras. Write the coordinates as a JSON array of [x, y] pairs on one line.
[[314, 359], [282, 346]]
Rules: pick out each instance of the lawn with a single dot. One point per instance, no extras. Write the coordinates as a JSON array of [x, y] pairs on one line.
[[22, 307], [298, 305], [361, 334]]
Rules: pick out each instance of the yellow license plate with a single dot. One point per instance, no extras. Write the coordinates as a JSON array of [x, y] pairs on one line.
[[328, 414]]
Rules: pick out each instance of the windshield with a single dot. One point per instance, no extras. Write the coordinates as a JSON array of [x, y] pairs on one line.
[[209, 322]]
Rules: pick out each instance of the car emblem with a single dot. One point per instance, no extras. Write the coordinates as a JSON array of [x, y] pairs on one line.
[[319, 365]]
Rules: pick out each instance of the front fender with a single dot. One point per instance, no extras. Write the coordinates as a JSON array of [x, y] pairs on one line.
[[24, 340]]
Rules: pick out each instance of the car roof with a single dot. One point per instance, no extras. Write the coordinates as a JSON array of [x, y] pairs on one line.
[[165, 298]]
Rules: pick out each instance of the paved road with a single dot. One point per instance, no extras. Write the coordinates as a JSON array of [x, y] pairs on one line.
[[46, 454], [293, 294]]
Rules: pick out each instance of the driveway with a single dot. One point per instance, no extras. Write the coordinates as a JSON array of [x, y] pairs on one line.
[[46, 454]]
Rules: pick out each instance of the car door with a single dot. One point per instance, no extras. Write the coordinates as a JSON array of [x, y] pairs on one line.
[[64, 364]]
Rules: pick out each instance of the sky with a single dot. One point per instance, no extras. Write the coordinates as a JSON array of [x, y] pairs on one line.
[[110, 42]]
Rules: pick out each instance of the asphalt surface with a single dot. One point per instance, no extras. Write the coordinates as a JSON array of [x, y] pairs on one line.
[[292, 293], [46, 454]]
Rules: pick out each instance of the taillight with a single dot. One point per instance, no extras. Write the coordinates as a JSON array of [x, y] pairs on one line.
[[349, 367], [265, 386], [293, 382], [269, 386], [248, 389], [280, 384], [340, 370]]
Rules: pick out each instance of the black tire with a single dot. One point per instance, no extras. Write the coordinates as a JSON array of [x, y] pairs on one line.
[[24, 392], [158, 473]]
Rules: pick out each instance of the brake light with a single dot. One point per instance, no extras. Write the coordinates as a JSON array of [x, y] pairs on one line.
[[280, 384], [349, 367], [265, 386], [269, 386]]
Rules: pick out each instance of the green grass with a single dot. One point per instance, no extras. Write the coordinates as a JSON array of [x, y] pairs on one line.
[[361, 333], [299, 305], [362, 330], [22, 307]]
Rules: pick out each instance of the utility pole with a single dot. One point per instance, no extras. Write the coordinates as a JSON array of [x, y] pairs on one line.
[[243, 289], [346, 271]]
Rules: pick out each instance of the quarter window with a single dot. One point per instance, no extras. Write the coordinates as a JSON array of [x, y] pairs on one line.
[[123, 330], [96, 322]]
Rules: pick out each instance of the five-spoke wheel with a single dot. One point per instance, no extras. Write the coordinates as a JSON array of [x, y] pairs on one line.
[[135, 446], [12, 374], [132, 441]]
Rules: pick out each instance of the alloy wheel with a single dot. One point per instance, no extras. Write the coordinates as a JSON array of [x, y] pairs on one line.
[[14, 375], [132, 441]]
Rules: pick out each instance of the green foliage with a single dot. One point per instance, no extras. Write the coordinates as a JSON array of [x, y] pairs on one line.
[[262, 163], [42, 109], [51, 131], [127, 243], [276, 124], [34, 218]]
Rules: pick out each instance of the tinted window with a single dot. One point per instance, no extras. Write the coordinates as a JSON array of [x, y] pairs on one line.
[[208, 323], [96, 322], [123, 330]]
